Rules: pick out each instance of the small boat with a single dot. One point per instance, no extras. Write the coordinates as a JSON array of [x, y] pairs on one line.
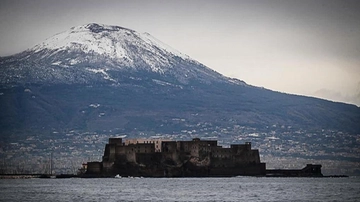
[[117, 176]]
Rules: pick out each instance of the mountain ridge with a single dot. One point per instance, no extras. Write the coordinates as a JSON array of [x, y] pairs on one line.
[[142, 85], [96, 50]]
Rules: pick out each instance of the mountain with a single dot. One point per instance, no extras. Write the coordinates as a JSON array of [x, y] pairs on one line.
[[98, 77], [99, 53]]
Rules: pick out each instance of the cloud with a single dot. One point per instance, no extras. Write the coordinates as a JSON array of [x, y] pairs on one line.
[[337, 96]]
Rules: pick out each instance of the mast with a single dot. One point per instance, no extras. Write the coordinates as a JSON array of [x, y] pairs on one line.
[[51, 163]]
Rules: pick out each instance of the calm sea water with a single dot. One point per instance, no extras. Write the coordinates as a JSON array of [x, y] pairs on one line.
[[181, 189]]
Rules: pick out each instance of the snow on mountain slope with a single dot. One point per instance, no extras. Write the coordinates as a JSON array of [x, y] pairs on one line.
[[94, 52], [98, 77], [113, 41]]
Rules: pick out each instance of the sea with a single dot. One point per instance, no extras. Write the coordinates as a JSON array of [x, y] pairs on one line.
[[181, 189]]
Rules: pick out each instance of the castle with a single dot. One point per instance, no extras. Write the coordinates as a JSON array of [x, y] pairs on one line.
[[195, 158], [166, 158]]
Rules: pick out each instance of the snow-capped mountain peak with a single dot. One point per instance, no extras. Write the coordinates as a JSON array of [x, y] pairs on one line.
[[113, 41], [100, 52]]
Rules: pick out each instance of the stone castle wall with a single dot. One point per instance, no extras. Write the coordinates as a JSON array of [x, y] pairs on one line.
[[178, 158]]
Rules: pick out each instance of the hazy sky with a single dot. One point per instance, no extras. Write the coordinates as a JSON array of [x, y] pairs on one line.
[[299, 47]]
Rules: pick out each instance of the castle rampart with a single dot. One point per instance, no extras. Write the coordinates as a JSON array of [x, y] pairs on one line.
[[158, 158]]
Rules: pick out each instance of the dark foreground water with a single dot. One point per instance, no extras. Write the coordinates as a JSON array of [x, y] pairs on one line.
[[181, 189]]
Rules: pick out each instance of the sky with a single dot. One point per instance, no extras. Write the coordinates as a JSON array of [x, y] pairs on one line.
[[299, 47]]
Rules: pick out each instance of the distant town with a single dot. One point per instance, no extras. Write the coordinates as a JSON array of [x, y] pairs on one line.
[[281, 147]]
